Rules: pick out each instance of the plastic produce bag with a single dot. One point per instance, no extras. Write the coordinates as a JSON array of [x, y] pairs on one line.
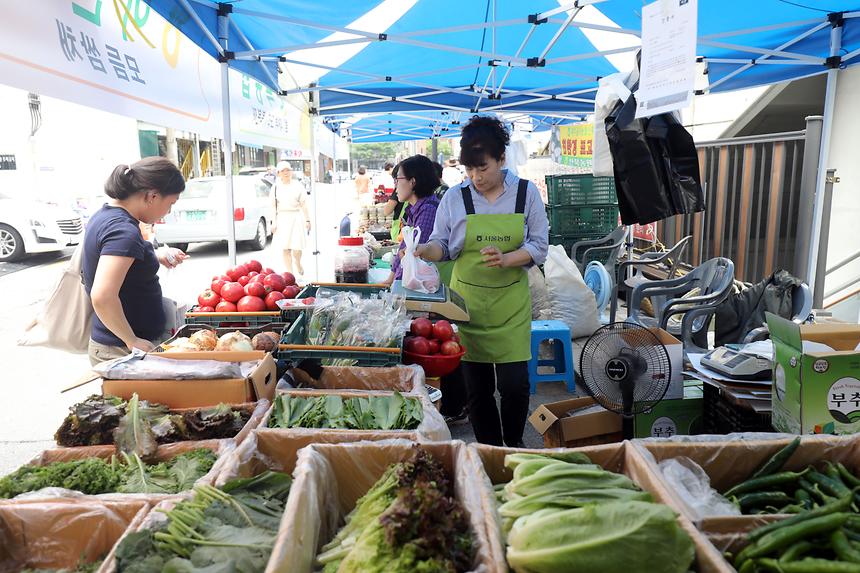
[[418, 275], [687, 479], [141, 366], [571, 300], [610, 91]]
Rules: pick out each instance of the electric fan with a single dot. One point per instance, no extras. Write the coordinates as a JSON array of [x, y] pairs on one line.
[[626, 369], [597, 278]]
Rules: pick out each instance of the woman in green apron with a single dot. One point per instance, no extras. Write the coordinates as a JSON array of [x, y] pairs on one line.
[[493, 227]]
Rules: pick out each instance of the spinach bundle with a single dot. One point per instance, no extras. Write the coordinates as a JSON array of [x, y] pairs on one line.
[[371, 413], [566, 514], [225, 530], [94, 476], [408, 521], [139, 426]]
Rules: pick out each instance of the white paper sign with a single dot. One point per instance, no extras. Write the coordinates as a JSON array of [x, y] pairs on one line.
[[668, 67]]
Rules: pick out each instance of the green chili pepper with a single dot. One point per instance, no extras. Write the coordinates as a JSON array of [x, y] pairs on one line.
[[802, 496], [842, 504], [750, 500], [827, 484], [843, 548], [849, 478], [775, 463], [796, 551], [762, 483], [784, 536], [809, 565]]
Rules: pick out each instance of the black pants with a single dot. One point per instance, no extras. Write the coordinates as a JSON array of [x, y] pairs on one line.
[[453, 393], [512, 381]]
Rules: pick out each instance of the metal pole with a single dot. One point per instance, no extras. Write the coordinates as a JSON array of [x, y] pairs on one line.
[[808, 178], [314, 193], [434, 149], [827, 128], [196, 155], [223, 27], [821, 263]]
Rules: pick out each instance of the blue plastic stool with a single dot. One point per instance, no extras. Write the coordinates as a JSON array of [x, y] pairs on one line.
[[563, 359]]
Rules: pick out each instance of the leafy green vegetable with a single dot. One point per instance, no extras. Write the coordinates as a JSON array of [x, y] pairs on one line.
[[96, 476], [610, 538], [134, 433], [91, 422], [82, 567], [408, 521], [215, 532], [393, 412]]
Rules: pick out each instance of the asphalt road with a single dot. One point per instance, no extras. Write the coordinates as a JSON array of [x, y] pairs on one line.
[[36, 260]]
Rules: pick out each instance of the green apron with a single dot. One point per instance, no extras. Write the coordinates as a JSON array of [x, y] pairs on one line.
[[395, 225], [498, 299]]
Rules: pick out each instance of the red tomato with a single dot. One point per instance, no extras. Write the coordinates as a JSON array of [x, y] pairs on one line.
[[253, 274], [421, 327], [257, 278], [217, 284], [205, 309], [450, 347], [225, 306], [250, 304], [232, 292], [289, 278], [271, 298], [236, 272], [309, 300], [418, 345], [434, 346], [442, 330], [291, 291], [254, 266], [208, 298], [255, 289], [274, 282], [266, 271], [243, 280]]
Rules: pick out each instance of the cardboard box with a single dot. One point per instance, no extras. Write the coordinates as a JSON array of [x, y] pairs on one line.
[[259, 385], [561, 425], [329, 480], [53, 535], [616, 458], [673, 417], [815, 392], [404, 379], [675, 349], [728, 463]]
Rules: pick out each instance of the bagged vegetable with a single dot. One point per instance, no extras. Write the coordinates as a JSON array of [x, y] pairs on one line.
[[570, 298], [418, 275]]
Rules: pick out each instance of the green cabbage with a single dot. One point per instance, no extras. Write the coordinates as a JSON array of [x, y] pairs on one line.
[[605, 538]]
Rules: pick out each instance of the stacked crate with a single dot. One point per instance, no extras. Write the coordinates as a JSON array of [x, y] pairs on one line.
[[580, 207]]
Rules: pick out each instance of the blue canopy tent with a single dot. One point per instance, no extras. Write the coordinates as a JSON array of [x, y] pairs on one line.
[[541, 57]]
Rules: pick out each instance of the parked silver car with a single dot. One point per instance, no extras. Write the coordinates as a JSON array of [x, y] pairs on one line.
[[200, 213]]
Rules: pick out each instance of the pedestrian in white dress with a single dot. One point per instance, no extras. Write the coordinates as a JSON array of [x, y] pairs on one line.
[[294, 224]]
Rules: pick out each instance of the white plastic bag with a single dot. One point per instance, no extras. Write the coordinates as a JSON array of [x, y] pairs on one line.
[[693, 485], [570, 298], [610, 91], [418, 275], [540, 297]]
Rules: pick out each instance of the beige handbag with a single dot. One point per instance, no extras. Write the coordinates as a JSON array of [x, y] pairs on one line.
[[65, 322]]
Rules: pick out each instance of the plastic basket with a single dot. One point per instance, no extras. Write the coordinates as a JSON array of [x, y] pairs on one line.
[[294, 348], [576, 220], [723, 416], [580, 189], [238, 319]]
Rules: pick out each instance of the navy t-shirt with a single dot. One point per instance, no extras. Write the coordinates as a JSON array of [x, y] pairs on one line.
[[113, 231]]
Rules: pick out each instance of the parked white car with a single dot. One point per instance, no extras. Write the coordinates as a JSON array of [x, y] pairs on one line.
[[28, 226], [199, 216]]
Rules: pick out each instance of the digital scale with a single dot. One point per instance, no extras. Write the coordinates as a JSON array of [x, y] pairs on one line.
[[737, 364], [445, 302]]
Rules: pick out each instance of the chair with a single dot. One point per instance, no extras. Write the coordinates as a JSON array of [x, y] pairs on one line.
[[801, 308], [562, 360], [673, 255], [611, 243], [713, 280]]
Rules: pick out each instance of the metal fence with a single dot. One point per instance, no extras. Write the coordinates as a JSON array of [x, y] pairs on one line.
[[753, 202]]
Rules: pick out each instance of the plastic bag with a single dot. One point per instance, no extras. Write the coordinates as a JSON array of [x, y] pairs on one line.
[[610, 91], [570, 298], [687, 479], [418, 275], [141, 366], [537, 288]]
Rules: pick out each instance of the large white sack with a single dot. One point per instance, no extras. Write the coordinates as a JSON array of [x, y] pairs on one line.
[[570, 298]]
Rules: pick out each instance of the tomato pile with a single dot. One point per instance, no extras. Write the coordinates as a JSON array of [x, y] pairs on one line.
[[247, 287], [429, 338]]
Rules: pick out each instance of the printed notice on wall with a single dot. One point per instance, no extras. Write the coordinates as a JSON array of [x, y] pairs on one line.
[[668, 66]]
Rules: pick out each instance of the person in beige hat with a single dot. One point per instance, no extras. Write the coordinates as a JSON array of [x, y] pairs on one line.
[[451, 175], [294, 224]]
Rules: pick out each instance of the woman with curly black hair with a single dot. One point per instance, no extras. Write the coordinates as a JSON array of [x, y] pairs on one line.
[[493, 227]]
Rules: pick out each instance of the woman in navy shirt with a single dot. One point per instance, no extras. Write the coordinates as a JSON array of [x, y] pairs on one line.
[[119, 267]]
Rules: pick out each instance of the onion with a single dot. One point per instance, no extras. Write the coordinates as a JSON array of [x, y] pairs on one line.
[[204, 339], [264, 341], [234, 342]]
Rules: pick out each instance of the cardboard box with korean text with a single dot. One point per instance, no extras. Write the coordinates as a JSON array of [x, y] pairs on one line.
[[612, 457], [673, 417], [816, 377], [259, 384]]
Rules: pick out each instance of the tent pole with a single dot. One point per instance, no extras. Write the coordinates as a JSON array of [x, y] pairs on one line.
[[223, 31], [823, 156], [314, 194]]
